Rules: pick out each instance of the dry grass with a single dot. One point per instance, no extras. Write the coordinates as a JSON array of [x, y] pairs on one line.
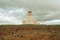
[[29, 32]]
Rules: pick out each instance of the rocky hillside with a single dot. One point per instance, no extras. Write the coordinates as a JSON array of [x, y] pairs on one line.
[[29, 32]]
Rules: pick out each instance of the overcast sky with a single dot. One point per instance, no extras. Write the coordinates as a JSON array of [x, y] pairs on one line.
[[45, 11]]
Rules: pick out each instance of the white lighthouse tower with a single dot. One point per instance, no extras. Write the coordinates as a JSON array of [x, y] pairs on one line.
[[29, 19]]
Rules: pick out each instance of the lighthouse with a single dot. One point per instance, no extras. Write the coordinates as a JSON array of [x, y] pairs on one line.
[[29, 19]]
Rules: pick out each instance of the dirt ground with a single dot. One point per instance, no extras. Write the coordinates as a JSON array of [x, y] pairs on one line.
[[29, 32]]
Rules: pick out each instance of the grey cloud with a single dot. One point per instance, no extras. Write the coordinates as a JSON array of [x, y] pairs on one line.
[[15, 10], [33, 4]]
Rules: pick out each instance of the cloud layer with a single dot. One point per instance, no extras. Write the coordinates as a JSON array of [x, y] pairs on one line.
[[45, 11]]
